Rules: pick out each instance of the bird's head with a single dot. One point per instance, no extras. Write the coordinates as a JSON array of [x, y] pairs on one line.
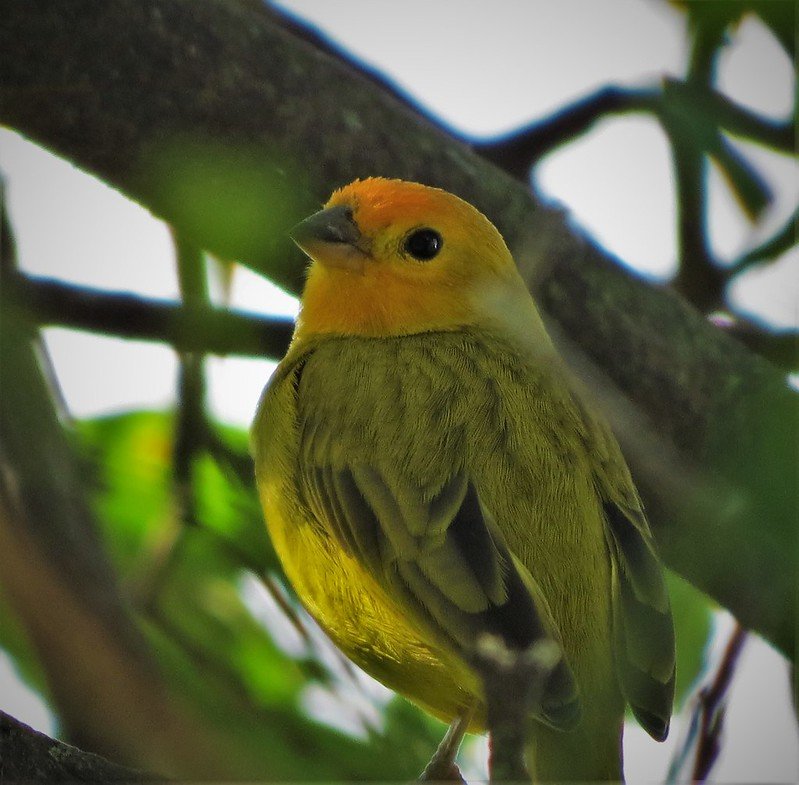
[[393, 258]]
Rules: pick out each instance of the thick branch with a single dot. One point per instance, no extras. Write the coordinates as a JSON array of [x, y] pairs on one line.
[[28, 756], [717, 466], [781, 348]]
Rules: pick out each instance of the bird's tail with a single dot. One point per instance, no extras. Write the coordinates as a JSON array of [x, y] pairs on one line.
[[590, 753]]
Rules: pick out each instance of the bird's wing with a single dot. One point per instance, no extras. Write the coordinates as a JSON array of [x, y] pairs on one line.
[[643, 628], [440, 555]]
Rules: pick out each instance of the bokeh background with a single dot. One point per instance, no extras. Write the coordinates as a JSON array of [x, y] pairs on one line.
[[483, 69]]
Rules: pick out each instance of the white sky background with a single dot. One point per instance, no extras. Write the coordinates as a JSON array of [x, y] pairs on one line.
[[500, 65]]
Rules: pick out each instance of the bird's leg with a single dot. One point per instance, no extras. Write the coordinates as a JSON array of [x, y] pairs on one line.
[[514, 681], [442, 764]]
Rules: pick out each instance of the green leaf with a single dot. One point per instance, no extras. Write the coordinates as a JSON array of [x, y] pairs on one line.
[[131, 454], [749, 188], [230, 508], [783, 240], [232, 201], [693, 616], [778, 15]]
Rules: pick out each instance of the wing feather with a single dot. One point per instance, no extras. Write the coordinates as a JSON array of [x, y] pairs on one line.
[[643, 627], [321, 478], [361, 521], [445, 560]]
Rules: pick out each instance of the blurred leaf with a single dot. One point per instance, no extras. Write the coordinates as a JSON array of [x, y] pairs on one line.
[[694, 119], [132, 455], [692, 612], [297, 746], [200, 606], [220, 658], [778, 15], [231, 509], [749, 188], [413, 730], [198, 597], [232, 201], [770, 250]]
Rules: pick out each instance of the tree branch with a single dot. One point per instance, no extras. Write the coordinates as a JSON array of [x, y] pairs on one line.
[[187, 328], [712, 707], [517, 152], [192, 427], [717, 465], [702, 742], [29, 756], [781, 241], [781, 348]]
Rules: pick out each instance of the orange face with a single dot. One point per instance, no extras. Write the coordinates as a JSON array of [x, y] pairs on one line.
[[392, 257]]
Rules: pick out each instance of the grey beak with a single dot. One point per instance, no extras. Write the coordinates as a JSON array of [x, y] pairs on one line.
[[333, 225]]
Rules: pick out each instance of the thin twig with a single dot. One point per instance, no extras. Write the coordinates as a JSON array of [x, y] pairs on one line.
[[698, 278], [703, 740], [191, 426], [776, 245], [517, 152], [275, 591], [186, 328], [712, 707]]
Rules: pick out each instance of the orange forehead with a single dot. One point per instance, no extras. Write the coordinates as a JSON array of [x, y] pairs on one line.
[[378, 203]]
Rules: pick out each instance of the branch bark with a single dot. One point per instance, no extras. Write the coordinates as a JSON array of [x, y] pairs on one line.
[[187, 329], [29, 756], [118, 88]]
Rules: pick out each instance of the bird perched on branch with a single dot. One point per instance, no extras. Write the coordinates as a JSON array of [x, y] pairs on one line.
[[428, 474]]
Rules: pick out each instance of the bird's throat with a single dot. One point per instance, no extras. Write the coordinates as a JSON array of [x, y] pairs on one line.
[[345, 302]]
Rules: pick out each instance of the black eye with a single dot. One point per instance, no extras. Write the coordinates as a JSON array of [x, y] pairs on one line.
[[423, 244]]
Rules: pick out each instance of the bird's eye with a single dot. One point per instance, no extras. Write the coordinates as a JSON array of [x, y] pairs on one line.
[[423, 244]]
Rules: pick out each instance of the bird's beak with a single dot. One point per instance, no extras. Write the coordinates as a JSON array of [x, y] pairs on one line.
[[332, 238]]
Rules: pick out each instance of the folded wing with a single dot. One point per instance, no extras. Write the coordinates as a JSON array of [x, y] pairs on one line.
[[441, 556], [642, 622]]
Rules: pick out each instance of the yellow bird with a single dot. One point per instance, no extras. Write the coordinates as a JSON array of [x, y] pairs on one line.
[[428, 474]]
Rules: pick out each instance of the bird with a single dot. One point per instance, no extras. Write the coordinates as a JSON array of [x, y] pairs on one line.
[[431, 473]]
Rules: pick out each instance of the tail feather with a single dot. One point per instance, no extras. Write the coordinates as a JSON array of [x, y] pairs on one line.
[[587, 754]]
